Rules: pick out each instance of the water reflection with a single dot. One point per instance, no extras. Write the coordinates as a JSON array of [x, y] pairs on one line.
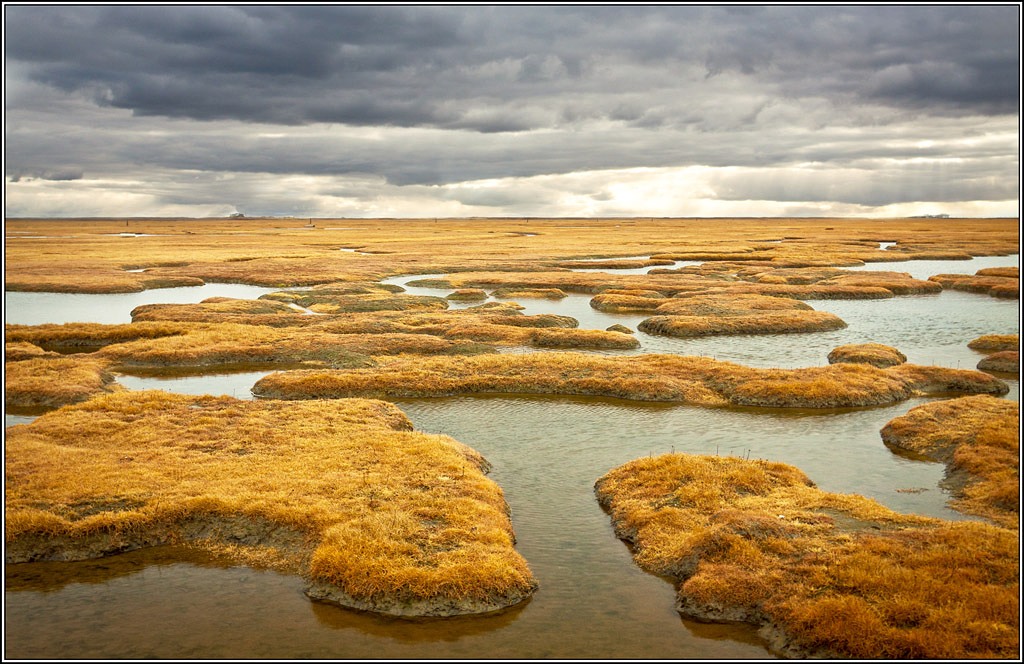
[[28, 308]]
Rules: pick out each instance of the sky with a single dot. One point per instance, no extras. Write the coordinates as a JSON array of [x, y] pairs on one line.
[[511, 111]]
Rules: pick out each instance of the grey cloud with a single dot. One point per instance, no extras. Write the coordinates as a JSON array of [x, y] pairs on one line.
[[436, 66], [56, 174], [925, 182]]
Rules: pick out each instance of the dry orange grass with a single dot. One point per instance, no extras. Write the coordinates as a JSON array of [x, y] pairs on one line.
[[994, 342], [1005, 361], [15, 351], [374, 515], [979, 438], [671, 378], [619, 264], [49, 382], [877, 355], [467, 295], [81, 256], [694, 315], [537, 293], [228, 343], [77, 335], [622, 303], [225, 310], [991, 284], [768, 322], [826, 575]]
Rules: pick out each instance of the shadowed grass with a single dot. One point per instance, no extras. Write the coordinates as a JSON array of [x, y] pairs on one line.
[[1005, 361], [391, 520], [826, 575], [15, 351]]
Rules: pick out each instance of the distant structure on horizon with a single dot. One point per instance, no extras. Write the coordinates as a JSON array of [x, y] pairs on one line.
[[236, 215], [931, 216]]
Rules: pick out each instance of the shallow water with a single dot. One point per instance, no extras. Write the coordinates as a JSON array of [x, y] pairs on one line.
[[546, 452], [26, 308]]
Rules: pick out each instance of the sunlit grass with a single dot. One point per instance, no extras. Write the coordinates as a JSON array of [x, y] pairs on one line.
[[877, 355], [995, 342], [82, 256], [827, 575], [979, 438], [380, 516], [695, 380], [49, 382]]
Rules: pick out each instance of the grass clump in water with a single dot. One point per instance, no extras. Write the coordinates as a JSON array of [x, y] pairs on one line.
[[877, 355], [696, 315], [824, 574], [468, 295], [1004, 361], [995, 342], [670, 378], [372, 514], [997, 282]]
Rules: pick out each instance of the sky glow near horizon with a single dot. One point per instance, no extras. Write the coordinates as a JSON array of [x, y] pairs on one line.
[[498, 111]]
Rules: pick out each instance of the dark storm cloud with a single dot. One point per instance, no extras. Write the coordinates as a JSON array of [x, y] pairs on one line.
[[502, 69]]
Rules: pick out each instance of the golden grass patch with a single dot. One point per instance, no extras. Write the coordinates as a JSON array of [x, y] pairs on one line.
[[671, 378], [75, 255], [994, 342], [50, 382], [623, 303], [78, 335], [826, 575], [467, 295], [996, 286], [766, 322], [877, 355], [979, 439], [536, 293], [228, 343], [372, 514]]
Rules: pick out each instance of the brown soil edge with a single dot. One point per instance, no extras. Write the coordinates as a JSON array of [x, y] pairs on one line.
[[409, 607], [292, 545]]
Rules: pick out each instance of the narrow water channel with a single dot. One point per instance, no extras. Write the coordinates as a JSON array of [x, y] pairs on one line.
[[593, 603]]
